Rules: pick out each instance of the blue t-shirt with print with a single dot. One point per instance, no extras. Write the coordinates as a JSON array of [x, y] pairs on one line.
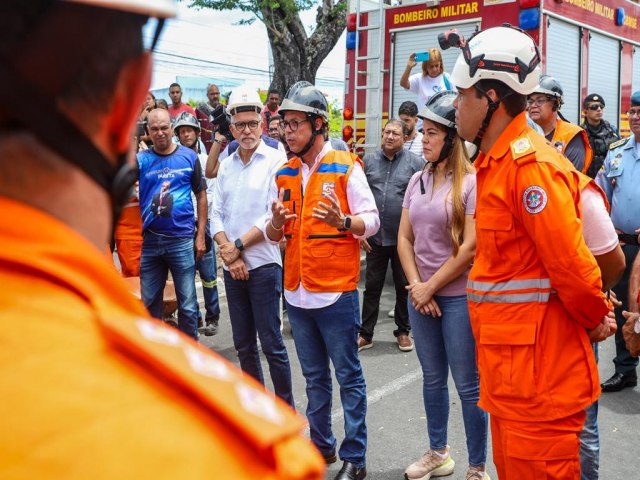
[[166, 183]]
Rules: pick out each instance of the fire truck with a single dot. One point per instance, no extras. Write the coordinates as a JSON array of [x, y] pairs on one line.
[[589, 46]]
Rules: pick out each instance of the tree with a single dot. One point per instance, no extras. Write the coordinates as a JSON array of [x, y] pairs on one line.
[[296, 55]]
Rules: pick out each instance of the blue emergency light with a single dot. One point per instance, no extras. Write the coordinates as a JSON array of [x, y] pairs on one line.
[[352, 40], [529, 18]]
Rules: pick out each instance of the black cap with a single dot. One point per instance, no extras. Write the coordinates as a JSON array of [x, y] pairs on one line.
[[593, 97]]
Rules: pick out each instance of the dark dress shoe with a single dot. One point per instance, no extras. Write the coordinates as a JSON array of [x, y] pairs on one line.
[[618, 382], [350, 472], [330, 457]]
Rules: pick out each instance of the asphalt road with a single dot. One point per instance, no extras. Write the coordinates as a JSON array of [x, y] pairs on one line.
[[396, 419]]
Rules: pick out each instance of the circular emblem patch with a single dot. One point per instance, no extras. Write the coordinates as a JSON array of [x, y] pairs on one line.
[[534, 199]]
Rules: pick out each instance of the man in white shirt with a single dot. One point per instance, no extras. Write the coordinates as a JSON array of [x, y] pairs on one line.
[[253, 268], [324, 205], [408, 113]]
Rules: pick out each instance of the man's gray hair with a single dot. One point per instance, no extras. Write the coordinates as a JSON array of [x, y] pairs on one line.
[[401, 123]]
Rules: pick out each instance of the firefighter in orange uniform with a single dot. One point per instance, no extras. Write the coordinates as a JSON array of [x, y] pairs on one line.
[[571, 140], [91, 386], [534, 289], [128, 236]]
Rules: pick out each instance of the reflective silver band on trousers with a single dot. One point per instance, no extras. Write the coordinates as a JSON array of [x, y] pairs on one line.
[[514, 296]]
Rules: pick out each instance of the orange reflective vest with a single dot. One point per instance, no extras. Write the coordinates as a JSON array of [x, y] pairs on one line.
[[84, 368], [534, 287], [565, 132], [317, 255]]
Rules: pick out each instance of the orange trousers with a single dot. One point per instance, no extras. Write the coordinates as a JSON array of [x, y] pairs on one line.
[[537, 450], [129, 253]]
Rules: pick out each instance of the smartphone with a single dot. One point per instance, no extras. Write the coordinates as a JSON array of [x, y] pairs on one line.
[[422, 57]]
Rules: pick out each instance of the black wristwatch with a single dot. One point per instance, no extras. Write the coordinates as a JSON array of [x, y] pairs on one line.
[[239, 245], [347, 224]]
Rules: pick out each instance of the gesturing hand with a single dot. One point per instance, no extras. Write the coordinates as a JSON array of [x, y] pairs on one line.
[[329, 213], [280, 214]]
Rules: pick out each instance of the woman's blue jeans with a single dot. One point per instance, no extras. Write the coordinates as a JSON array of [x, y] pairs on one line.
[[443, 343]]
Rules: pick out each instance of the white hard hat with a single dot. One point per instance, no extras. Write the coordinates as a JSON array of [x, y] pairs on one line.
[[149, 8], [505, 54], [244, 99]]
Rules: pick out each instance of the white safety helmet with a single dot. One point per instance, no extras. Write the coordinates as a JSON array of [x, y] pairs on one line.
[[505, 53], [243, 99], [149, 8]]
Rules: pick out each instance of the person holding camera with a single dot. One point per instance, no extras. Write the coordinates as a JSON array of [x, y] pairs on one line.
[[431, 80], [203, 114]]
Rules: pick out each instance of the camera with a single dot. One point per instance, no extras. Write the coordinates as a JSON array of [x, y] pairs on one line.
[[219, 117], [451, 38], [141, 129]]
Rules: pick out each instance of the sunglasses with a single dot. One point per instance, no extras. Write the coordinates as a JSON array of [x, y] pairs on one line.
[[596, 106]]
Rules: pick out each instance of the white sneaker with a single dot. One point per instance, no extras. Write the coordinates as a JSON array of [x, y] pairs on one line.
[[430, 465], [392, 313]]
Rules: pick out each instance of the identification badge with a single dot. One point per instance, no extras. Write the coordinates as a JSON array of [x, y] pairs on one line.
[[328, 188]]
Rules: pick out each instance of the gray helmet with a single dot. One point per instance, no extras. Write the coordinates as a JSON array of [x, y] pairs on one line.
[[439, 109], [304, 97], [550, 86], [185, 119]]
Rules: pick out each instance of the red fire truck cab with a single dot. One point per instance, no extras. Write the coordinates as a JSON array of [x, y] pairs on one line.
[[589, 46]]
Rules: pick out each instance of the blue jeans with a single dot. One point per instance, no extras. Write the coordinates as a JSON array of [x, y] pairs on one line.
[[206, 266], [590, 440], [254, 306], [160, 255], [331, 333], [443, 343]]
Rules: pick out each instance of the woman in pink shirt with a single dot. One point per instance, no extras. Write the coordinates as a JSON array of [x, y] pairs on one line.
[[436, 245]]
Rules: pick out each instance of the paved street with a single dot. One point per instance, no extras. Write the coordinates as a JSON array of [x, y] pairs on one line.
[[396, 419]]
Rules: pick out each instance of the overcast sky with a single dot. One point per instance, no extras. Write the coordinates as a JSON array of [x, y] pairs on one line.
[[238, 50]]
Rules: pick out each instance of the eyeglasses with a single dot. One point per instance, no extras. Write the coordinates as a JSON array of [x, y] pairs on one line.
[[240, 126], [293, 124], [391, 133], [633, 113], [538, 103], [274, 130], [596, 106]]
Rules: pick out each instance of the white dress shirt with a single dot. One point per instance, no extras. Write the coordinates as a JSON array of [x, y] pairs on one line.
[[242, 199], [361, 204]]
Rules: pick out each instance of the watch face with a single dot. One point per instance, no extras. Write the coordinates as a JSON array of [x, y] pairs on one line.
[[347, 222]]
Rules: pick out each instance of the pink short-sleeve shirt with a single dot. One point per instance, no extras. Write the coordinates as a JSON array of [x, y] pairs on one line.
[[430, 215]]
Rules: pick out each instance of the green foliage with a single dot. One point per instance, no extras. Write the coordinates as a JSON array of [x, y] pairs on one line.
[[335, 120]]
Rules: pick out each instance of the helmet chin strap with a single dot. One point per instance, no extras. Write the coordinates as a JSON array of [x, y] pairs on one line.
[[493, 106], [312, 140], [446, 148], [62, 136]]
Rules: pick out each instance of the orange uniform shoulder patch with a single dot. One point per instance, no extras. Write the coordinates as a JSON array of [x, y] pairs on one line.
[[522, 150]]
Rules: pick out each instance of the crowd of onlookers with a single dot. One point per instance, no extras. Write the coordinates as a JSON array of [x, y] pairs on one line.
[[420, 188]]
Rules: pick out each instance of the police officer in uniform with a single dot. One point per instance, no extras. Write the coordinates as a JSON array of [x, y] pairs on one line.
[[92, 387], [600, 132], [619, 178]]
